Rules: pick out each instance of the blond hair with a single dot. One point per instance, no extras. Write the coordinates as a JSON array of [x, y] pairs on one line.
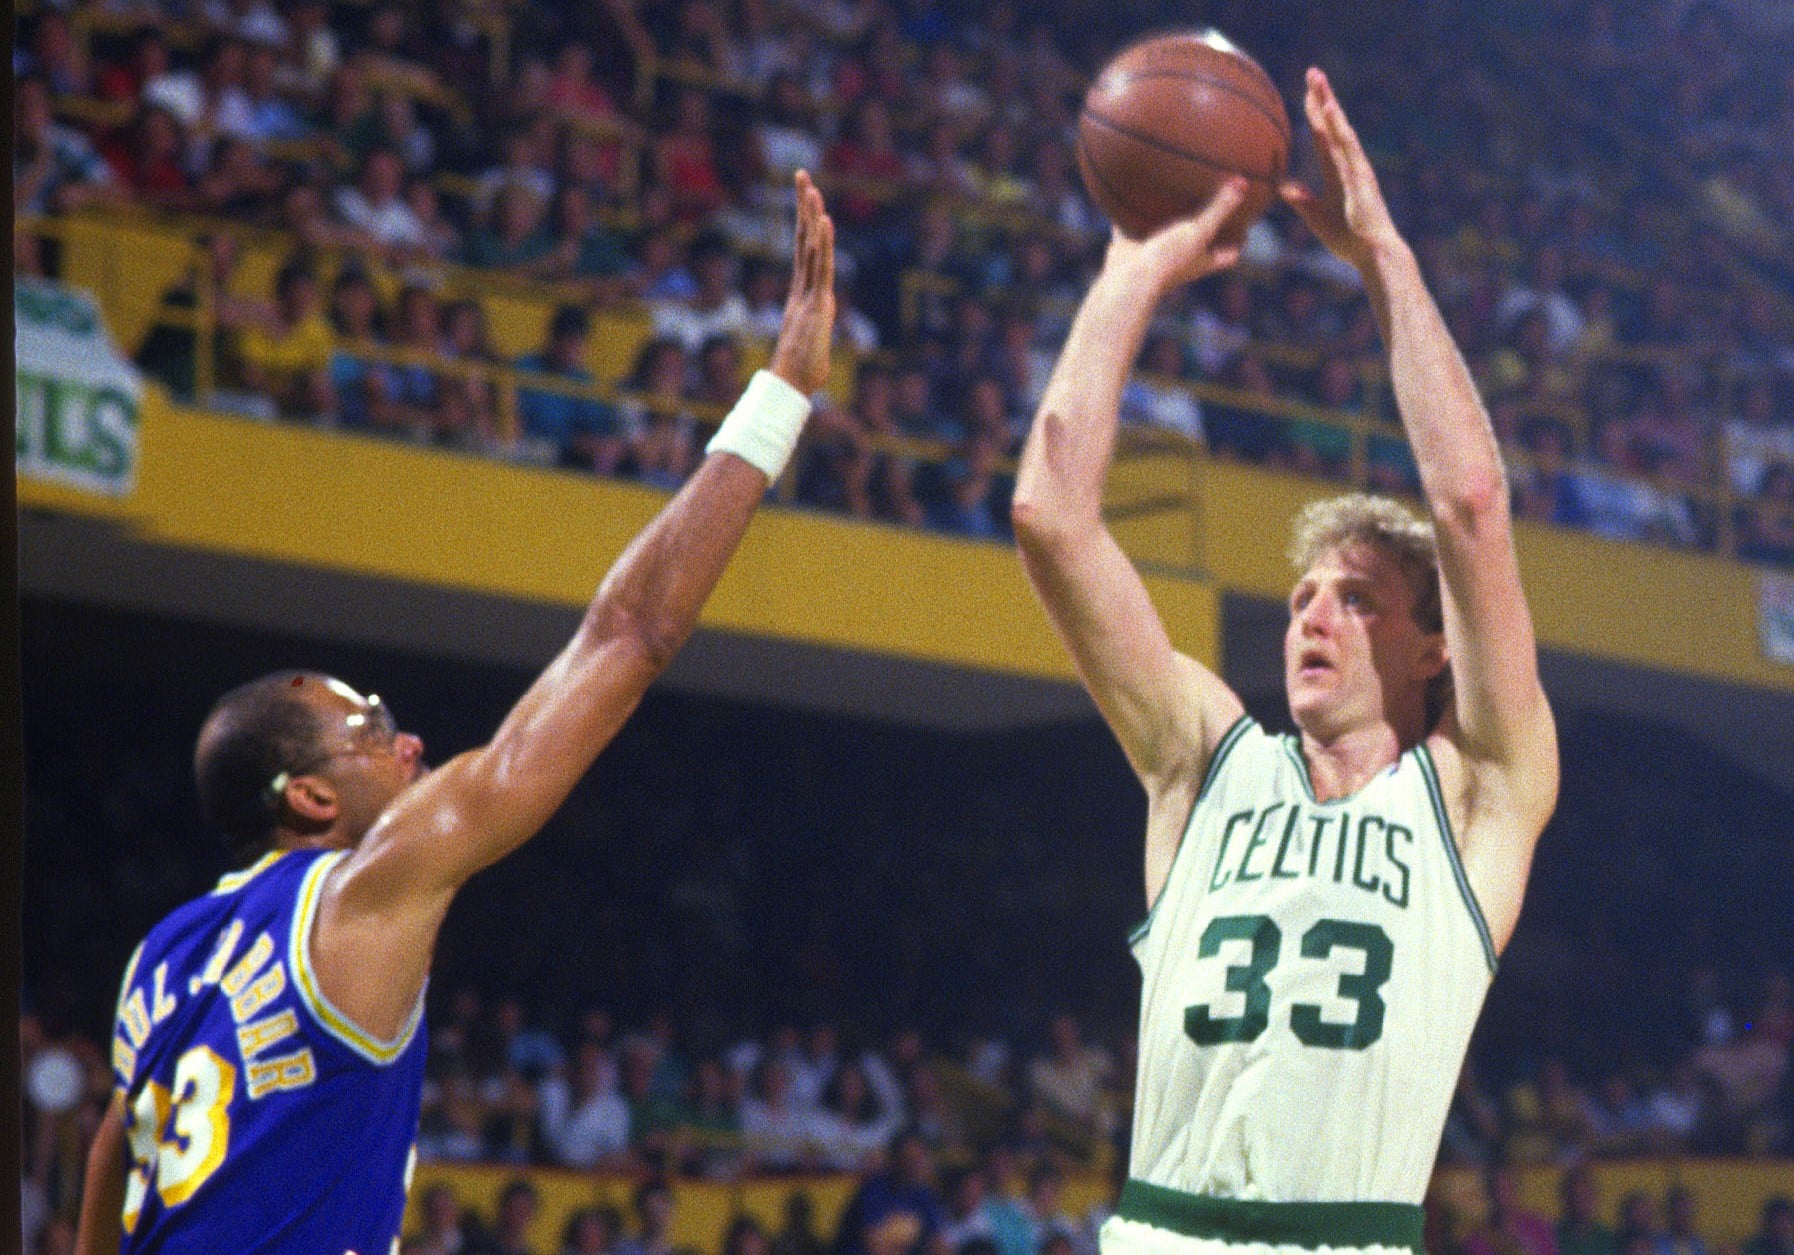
[[1323, 526], [1358, 518]]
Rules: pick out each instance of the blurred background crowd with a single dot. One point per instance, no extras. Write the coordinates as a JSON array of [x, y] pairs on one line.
[[677, 982], [1599, 192]]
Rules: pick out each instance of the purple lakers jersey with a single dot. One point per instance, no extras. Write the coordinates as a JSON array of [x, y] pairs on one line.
[[258, 1117]]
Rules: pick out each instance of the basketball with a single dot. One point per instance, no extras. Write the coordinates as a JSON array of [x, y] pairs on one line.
[[1168, 120]]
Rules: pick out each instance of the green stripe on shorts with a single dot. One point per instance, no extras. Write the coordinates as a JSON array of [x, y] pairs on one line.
[[1308, 1225]]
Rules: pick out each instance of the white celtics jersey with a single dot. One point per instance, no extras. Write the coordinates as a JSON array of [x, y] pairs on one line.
[[1312, 975]]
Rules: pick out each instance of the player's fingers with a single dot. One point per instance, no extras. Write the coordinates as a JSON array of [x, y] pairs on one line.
[[1230, 196], [825, 248]]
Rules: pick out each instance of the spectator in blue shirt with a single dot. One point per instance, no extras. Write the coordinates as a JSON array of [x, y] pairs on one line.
[[572, 430], [898, 1210]]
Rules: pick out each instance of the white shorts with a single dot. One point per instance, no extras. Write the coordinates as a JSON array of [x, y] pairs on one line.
[[1135, 1237]]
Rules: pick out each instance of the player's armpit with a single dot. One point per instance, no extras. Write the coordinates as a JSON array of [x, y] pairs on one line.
[[103, 1198]]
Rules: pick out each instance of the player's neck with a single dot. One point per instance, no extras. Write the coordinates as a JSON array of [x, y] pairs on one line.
[[1340, 765]]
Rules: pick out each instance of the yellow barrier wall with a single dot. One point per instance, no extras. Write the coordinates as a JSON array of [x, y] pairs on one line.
[[370, 507], [1729, 1195], [295, 494]]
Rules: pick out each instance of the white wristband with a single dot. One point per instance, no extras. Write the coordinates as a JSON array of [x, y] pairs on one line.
[[763, 427]]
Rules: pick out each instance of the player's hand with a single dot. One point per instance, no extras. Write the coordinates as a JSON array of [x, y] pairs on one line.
[[1348, 214], [801, 357], [1186, 250]]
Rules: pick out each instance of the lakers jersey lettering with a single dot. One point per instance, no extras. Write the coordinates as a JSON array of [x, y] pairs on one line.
[[1312, 972], [244, 1089]]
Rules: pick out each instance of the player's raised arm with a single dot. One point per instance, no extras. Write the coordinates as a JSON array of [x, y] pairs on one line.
[[1166, 709], [1499, 717], [378, 921]]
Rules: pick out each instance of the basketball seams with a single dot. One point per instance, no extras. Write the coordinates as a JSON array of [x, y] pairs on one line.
[[1087, 160], [1160, 145], [1278, 118]]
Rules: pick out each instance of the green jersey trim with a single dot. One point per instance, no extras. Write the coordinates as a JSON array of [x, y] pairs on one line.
[[1223, 747], [1429, 771], [1242, 1221]]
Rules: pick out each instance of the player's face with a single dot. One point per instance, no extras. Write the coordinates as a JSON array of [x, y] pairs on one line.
[[1353, 654], [363, 754]]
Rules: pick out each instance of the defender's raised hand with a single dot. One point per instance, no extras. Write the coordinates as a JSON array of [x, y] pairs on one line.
[[801, 357], [1348, 213]]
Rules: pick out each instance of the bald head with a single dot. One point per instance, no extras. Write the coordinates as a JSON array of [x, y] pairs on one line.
[[253, 733]]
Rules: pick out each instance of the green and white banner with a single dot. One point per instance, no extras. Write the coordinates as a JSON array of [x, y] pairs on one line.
[[1775, 616], [79, 399]]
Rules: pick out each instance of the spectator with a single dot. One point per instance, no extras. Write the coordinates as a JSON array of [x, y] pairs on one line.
[[716, 308], [470, 395], [1510, 1229], [685, 167], [585, 1122], [518, 1206], [966, 1219], [580, 249], [1046, 1213], [778, 1134], [1679, 1236], [445, 1229], [897, 1210], [745, 1237], [362, 386], [786, 132], [797, 1236], [417, 386], [1579, 1232], [1157, 397], [660, 428], [1072, 1079], [523, 164], [853, 1127], [565, 427], [374, 204], [512, 240], [1011, 1225], [591, 1231], [149, 160], [271, 119], [54, 169], [654, 1220], [1677, 1108], [1775, 1235], [286, 354], [1761, 434], [441, 238], [1222, 327]]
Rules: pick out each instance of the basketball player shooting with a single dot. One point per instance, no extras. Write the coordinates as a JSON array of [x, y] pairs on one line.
[[269, 1053], [1325, 909]]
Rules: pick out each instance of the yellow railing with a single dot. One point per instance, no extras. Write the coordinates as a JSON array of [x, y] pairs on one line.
[[1359, 429]]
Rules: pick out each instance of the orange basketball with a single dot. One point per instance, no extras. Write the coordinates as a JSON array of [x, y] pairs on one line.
[[1168, 120]]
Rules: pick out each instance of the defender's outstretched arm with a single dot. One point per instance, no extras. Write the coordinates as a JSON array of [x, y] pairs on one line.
[[378, 920]]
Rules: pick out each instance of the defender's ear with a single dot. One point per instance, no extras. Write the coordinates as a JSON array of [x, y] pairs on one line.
[[312, 801]]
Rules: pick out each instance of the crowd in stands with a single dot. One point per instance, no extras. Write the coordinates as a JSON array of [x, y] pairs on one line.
[[635, 1102], [1596, 192]]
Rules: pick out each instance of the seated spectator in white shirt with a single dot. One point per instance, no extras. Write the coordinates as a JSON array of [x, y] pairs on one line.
[[1072, 1077], [853, 1127], [375, 203], [715, 309], [1159, 400], [779, 1134], [586, 1122]]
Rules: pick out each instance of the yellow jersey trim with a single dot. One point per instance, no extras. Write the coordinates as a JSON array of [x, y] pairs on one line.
[[230, 882], [311, 993]]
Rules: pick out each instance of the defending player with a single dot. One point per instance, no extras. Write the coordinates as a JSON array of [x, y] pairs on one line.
[[269, 1054], [1326, 909]]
